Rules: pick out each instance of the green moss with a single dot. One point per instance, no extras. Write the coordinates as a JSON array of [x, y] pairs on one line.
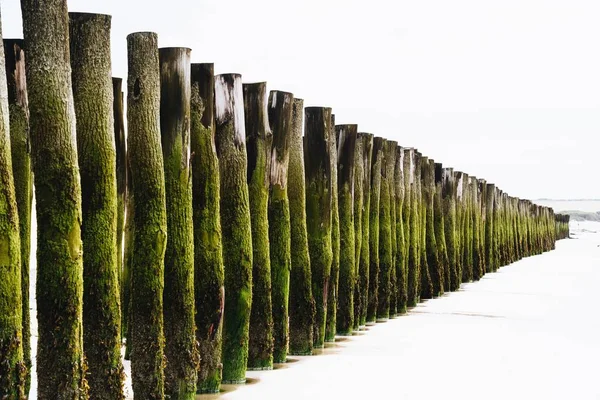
[[386, 259], [208, 258], [374, 208]]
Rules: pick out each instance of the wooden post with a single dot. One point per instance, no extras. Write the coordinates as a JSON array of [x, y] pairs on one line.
[[181, 373], [358, 201], [386, 260], [440, 234], [258, 146], [280, 119], [392, 185], [18, 108], [333, 288], [479, 256], [13, 366], [449, 210], [365, 253], [412, 227], [235, 221], [149, 215], [60, 361], [489, 228], [302, 305], [93, 97], [401, 263], [436, 268], [208, 257], [317, 153], [426, 285], [374, 206], [346, 138]]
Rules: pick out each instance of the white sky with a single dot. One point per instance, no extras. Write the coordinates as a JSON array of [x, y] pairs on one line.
[[506, 90]]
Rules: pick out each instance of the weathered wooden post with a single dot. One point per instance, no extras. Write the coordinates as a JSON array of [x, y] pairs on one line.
[[181, 373], [208, 258], [436, 269], [460, 240], [317, 153], [490, 256], [258, 147], [467, 233], [482, 216], [425, 283], [302, 305], [12, 368], [411, 223], [346, 138], [60, 362], [449, 210], [280, 119], [149, 215], [365, 253], [401, 263], [333, 287], [392, 185], [385, 231], [230, 143], [18, 108], [93, 98], [478, 265], [374, 206], [359, 171], [440, 234]]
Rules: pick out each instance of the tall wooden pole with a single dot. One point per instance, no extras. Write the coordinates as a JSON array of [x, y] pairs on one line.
[[425, 283], [280, 108], [59, 289], [302, 305], [412, 227], [235, 221], [149, 216], [401, 242], [393, 200], [258, 146], [358, 200], [317, 153], [365, 253], [449, 210], [18, 107], [93, 96], [208, 257], [333, 287], [440, 237], [386, 260]]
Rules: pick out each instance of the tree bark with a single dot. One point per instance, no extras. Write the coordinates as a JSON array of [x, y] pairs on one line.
[[13, 369], [93, 97], [235, 221], [149, 216], [280, 120], [181, 351], [59, 292], [208, 257], [385, 231], [259, 139], [302, 305], [333, 288], [18, 108], [346, 137], [317, 153], [374, 206]]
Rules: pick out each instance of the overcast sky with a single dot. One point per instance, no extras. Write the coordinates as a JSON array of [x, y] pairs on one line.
[[505, 90]]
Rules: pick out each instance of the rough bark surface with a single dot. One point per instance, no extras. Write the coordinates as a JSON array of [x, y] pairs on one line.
[[259, 139], [302, 305], [230, 142], [149, 216], [93, 96], [208, 257], [181, 350], [59, 290]]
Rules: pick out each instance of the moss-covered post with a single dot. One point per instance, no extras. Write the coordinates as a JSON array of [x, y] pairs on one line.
[[93, 97], [436, 268], [209, 291], [490, 256], [358, 200], [346, 138], [280, 120], [496, 231], [467, 233], [301, 303], [411, 223], [459, 200], [450, 234], [401, 263], [149, 216], [392, 185], [478, 264], [181, 373], [440, 234], [258, 147], [317, 159], [386, 260], [365, 253], [18, 108], [333, 288], [59, 290], [426, 285], [13, 369], [374, 206], [230, 143], [482, 196]]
